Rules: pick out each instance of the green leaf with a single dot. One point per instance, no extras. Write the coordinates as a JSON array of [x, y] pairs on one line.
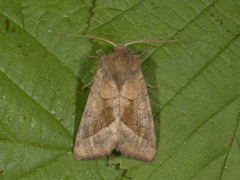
[[196, 108]]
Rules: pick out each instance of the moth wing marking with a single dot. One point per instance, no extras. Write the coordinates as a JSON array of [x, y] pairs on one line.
[[137, 136], [97, 135]]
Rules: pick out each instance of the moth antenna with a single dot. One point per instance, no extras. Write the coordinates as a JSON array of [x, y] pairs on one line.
[[144, 41], [89, 36]]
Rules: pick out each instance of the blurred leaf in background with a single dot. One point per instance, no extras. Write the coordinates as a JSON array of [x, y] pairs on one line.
[[196, 108]]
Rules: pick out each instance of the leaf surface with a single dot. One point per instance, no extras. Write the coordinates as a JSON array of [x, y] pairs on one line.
[[196, 108]]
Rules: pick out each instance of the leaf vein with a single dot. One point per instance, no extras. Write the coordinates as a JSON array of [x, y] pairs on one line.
[[33, 144], [41, 165], [212, 60], [230, 147], [45, 48], [122, 13], [194, 132], [206, 164], [184, 27], [91, 15], [68, 133]]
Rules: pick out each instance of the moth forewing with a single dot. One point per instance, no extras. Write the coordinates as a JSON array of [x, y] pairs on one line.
[[137, 126], [97, 135], [118, 113]]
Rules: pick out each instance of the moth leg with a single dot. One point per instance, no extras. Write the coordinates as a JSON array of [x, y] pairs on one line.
[[108, 164], [87, 85], [93, 57], [152, 86]]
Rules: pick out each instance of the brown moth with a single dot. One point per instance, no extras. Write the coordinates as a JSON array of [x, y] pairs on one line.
[[118, 113]]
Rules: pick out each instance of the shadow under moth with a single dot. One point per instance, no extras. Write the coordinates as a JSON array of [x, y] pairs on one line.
[[118, 112]]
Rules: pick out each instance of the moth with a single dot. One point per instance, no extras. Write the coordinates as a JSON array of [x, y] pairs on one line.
[[118, 112]]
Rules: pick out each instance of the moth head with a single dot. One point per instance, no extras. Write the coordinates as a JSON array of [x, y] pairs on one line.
[[120, 47]]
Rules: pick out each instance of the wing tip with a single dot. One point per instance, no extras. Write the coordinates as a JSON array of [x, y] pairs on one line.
[[93, 147], [140, 153], [84, 153], [147, 157]]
